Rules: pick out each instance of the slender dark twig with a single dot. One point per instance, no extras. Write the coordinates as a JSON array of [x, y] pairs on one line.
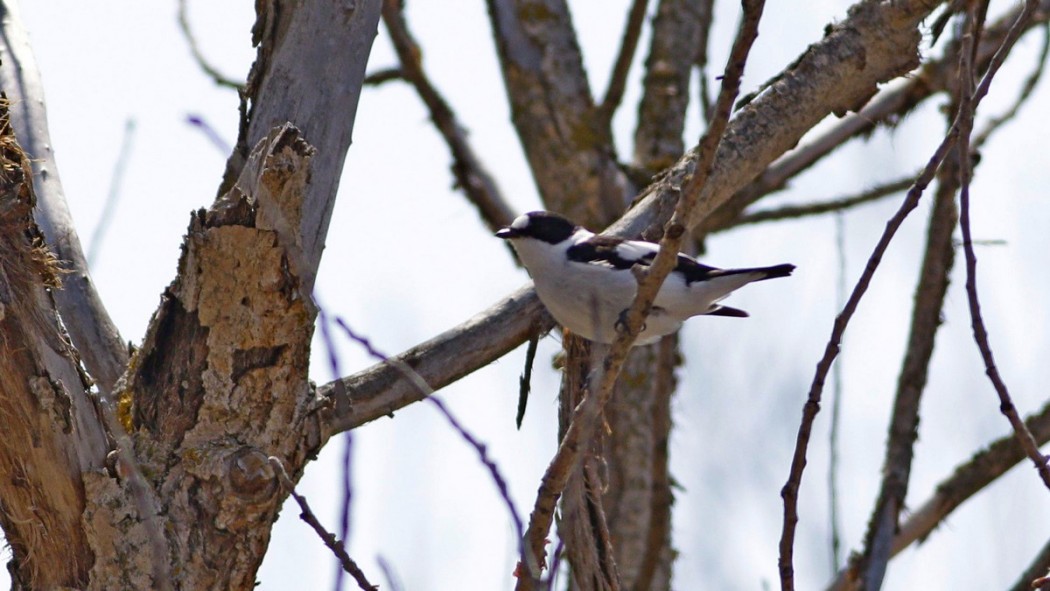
[[393, 582], [525, 382], [209, 132], [383, 76], [618, 79], [1026, 92], [327, 537], [821, 207], [967, 108], [202, 62], [113, 196], [834, 520], [480, 448], [831, 350]]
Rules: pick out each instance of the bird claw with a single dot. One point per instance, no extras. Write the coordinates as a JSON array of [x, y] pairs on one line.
[[621, 322]]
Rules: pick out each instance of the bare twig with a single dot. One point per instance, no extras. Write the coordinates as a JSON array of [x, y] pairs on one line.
[[812, 405], [108, 210], [393, 582], [821, 207], [327, 537], [871, 565], [586, 414], [470, 173], [706, 12], [209, 132], [967, 108], [632, 30], [198, 56], [427, 391], [383, 76], [525, 382], [887, 108], [1022, 97], [834, 521]]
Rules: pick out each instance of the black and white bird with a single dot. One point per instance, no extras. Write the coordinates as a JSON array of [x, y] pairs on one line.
[[586, 283]]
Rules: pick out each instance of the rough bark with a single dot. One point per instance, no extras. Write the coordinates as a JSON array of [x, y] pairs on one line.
[[219, 385], [51, 428]]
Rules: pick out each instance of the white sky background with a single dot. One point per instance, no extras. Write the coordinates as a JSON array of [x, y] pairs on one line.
[[408, 258]]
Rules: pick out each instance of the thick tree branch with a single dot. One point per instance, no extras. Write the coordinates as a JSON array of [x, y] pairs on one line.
[[303, 74], [679, 36], [91, 329]]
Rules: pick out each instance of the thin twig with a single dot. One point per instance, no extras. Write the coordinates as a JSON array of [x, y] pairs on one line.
[[821, 207], [327, 537], [525, 382], [886, 109], [383, 76], [584, 419], [428, 392], [1026, 92], [632, 31], [834, 521], [967, 108], [393, 582], [202, 62], [925, 320], [812, 405], [470, 173], [1037, 576], [209, 132], [113, 196]]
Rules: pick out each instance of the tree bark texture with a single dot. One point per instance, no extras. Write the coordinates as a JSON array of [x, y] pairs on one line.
[[52, 431], [171, 487]]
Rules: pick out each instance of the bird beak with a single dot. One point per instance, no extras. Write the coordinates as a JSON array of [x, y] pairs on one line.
[[507, 233]]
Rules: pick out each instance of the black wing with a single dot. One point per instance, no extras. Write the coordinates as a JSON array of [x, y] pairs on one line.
[[623, 254]]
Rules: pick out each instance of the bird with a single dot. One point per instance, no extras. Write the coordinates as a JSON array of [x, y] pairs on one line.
[[585, 280]]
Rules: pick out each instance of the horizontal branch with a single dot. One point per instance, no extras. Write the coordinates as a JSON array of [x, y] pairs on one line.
[[828, 78], [381, 389]]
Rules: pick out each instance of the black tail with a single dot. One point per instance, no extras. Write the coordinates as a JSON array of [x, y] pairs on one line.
[[768, 272]]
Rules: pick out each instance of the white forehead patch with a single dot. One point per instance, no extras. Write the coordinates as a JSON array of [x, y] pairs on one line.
[[520, 223]]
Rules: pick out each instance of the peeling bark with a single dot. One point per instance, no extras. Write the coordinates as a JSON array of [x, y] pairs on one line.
[[219, 384]]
